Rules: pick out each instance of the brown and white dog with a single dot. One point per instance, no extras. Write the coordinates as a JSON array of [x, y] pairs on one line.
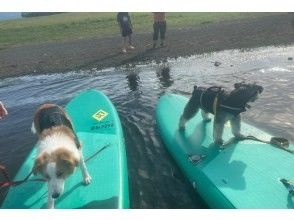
[[58, 149]]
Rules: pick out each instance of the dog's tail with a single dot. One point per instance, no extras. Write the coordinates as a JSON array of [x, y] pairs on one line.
[[33, 128]]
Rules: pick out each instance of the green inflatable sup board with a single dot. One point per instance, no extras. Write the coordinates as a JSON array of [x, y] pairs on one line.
[[245, 174], [98, 127]]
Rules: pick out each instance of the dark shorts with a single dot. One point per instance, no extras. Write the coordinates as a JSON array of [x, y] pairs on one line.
[[159, 28], [126, 31]]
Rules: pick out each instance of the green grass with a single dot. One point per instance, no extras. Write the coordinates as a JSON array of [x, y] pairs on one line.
[[71, 26]]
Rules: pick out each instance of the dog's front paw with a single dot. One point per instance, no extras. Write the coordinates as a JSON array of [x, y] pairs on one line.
[[207, 119], [181, 128], [240, 136], [182, 123], [87, 179], [219, 142]]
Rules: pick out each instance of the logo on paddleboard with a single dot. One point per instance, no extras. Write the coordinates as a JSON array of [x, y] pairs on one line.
[[100, 115]]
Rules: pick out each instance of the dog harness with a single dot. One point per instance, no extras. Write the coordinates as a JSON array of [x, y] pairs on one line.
[[213, 99], [54, 116], [51, 117], [208, 97]]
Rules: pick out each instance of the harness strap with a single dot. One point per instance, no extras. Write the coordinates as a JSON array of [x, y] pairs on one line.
[[215, 101], [232, 108], [214, 107], [201, 97]]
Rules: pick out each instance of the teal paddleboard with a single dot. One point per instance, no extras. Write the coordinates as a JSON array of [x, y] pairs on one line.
[[243, 175], [98, 127]]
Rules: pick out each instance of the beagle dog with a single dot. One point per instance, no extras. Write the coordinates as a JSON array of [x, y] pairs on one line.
[[58, 149]]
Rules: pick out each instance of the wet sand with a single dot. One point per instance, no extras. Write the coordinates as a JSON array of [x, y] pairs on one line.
[[101, 53]]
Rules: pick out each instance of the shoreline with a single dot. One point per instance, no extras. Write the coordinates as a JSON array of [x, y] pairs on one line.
[[83, 54]]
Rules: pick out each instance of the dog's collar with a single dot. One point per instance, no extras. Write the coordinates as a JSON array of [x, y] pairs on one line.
[[247, 106]]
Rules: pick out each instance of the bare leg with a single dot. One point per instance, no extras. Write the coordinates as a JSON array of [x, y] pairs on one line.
[[124, 45], [130, 41], [154, 43], [86, 176]]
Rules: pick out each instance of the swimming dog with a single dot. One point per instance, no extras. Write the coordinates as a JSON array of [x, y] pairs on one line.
[[226, 106], [58, 149]]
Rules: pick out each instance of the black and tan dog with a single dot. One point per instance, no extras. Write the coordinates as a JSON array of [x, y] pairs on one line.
[[226, 106]]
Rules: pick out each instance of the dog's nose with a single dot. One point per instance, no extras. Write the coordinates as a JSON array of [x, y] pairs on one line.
[[55, 195]]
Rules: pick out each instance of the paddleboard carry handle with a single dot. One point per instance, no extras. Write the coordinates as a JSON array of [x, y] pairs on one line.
[[196, 158]]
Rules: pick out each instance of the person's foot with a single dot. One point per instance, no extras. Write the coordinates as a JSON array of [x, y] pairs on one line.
[[124, 50]]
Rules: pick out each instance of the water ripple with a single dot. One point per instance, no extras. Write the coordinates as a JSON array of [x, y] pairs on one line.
[[155, 180]]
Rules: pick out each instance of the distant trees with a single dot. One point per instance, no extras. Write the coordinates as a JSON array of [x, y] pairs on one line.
[[37, 14]]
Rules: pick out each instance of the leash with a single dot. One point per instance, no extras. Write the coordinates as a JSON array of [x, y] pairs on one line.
[[99, 151], [8, 182], [278, 142]]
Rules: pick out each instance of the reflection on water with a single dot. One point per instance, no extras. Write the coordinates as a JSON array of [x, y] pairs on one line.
[[155, 180], [163, 75], [133, 80]]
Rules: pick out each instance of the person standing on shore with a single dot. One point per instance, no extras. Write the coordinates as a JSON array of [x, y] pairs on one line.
[[159, 27], [3, 111], [125, 25]]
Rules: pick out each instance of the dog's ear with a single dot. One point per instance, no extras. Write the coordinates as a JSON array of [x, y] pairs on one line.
[[40, 163], [66, 161], [260, 89]]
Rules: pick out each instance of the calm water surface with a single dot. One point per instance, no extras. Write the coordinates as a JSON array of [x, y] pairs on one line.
[[155, 180]]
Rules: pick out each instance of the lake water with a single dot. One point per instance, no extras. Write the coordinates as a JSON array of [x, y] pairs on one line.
[[155, 180], [10, 15]]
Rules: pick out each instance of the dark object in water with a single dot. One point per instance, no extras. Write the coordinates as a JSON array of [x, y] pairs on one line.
[[165, 70], [216, 63], [290, 58]]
